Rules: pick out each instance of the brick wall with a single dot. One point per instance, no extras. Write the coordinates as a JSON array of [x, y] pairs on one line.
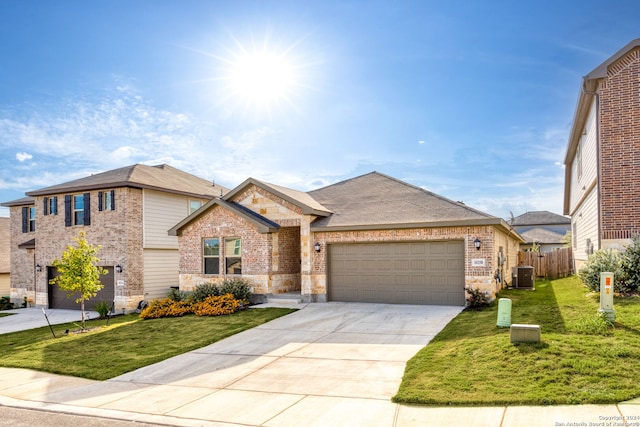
[[22, 260], [118, 232], [620, 148]]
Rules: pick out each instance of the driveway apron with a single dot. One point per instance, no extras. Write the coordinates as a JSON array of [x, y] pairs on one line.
[[327, 364]]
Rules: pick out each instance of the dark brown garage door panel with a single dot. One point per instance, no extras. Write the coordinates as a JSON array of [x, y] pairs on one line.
[[403, 273], [58, 297]]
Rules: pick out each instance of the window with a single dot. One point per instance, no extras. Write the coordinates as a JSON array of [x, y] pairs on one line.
[[77, 209], [211, 256], [194, 205], [233, 256], [28, 219], [106, 201], [51, 205]]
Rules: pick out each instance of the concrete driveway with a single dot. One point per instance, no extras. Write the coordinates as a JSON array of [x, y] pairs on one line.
[[29, 318], [327, 364]]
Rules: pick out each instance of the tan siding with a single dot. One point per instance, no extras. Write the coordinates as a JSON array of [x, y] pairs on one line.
[[160, 272], [580, 185], [5, 280], [585, 226], [161, 212]]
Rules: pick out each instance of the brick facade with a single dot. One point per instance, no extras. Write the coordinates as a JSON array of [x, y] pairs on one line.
[[285, 261], [118, 232], [619, 118]]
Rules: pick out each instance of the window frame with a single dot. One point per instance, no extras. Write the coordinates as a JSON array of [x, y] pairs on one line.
[[191, 207], [32, 219], [235, 257], [75, 211], [206, 256]]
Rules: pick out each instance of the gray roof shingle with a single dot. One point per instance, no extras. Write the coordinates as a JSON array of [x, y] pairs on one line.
[[539, 218], [160, 177], [378, 199]]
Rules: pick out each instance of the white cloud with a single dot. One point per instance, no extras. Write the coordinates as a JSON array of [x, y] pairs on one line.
[[22, 156]]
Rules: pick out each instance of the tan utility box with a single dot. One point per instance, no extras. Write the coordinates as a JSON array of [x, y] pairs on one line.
[[524, 333]]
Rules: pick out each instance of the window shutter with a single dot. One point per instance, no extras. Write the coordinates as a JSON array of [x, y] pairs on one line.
[[25, 220], [99, 201], [87, 208], [68, 217], [113, 200], [55, 205], [45, 206]]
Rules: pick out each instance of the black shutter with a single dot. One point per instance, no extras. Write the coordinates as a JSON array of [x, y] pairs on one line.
[[55, 205], [25, 220], [113, 200], [99, 201], [68, 217], [45, 206], [87, 208]]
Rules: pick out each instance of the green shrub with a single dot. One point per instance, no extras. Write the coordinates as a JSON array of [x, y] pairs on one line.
[[600, 261], [239, 288], [477, 299], [5, 303], [178, 295], [631, 265], [102, 307], [201, 292], [216, 305]]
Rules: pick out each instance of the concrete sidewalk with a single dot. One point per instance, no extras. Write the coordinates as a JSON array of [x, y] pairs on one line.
[[30, 318], [325, 365]]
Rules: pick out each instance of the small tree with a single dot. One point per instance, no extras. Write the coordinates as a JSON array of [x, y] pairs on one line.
[[78, 272]]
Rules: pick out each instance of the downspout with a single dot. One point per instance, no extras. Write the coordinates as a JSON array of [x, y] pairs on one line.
[[597, 98]]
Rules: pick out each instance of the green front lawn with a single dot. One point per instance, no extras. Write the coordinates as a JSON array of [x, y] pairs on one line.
[[128, 342], [472, 362]]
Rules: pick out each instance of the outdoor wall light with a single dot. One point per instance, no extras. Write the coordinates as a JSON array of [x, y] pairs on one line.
[[317, 247], [118, 268], [477, 243], [38, 268]]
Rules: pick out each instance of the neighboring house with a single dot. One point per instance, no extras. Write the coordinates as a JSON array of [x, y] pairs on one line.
[[127, 211], [369, 239], [5, 270], [602, 177], [542, 229]]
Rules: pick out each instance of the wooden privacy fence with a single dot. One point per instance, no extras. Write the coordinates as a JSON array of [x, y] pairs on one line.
[[552, 265]]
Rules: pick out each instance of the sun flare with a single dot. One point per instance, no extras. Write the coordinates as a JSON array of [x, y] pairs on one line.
[[262, 78]]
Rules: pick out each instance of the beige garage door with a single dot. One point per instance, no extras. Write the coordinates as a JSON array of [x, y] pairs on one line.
[[397, 273]]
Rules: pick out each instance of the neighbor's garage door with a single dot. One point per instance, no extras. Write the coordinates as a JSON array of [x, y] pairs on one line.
[[58, 297], [398, 273]]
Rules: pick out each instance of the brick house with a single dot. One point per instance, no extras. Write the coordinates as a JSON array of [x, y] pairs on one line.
[[545, 229], [127, 211], [5, 270], [602, 163], [371, 238]]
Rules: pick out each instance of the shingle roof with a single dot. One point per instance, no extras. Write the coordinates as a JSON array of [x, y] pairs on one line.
[[160, 177], [377, 199], [303, 200], [541, 235], [539, 218], [4, 245], [24, 201]]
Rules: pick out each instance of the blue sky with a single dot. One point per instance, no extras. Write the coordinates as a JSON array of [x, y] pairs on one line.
[[472, 100]]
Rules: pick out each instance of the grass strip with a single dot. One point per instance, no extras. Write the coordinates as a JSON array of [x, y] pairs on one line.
[[579, 360], [128, 343]]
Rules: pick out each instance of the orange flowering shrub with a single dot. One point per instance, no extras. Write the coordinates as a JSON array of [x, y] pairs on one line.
[[166, 307], [216, 305]]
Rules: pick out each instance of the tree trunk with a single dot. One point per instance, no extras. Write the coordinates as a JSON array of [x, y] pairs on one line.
[[82, 310]]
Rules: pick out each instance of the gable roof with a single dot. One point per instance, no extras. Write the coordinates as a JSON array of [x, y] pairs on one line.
[[539, 218], [300, 199], [376, 200], [586, 95], [161, 177], [542, 235], [264, 225]]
